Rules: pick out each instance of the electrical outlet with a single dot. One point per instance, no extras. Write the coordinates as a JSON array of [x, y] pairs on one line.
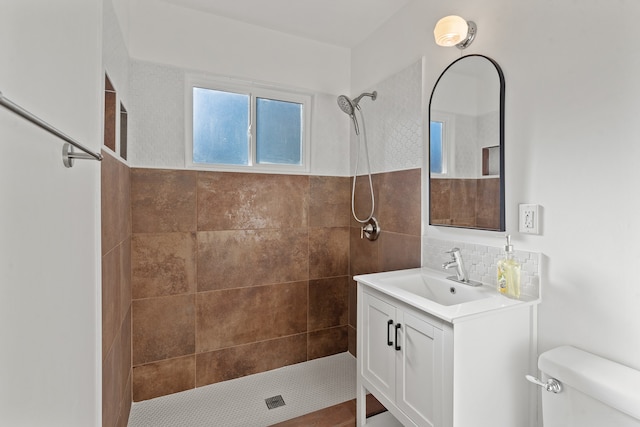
[[529, 219]]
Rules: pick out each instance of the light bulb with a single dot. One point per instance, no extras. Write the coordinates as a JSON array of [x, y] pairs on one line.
[[450, 30]]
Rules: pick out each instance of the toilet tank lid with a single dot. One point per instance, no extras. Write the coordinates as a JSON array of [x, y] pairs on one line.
[[609, 382]]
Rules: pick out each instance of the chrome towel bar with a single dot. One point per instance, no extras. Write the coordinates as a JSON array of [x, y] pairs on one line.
[[67, 150]]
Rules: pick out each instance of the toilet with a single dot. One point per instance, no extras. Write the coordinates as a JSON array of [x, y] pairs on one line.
[[589, 391]]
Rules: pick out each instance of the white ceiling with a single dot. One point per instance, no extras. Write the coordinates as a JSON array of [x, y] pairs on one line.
[[338, 22]]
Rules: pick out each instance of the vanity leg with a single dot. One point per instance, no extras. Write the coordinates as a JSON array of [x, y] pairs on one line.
[[361, 405]]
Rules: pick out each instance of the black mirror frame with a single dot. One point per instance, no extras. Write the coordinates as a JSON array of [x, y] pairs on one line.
[[502, 145]]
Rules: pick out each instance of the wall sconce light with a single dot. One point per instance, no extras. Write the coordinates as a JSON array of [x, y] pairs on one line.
[[455, 31]]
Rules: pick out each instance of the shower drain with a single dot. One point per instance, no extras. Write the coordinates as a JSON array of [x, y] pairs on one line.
[[274, 402]]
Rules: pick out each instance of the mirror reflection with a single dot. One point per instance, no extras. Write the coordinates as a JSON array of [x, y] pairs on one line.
[[466, 146]]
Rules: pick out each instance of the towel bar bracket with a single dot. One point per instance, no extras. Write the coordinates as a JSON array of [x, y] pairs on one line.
[[68, 155]]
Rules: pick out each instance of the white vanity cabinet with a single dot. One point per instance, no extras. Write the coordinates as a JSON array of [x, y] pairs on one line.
[[403, 357], [433, 372]]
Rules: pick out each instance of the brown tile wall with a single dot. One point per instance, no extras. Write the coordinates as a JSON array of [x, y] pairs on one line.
[[398, 211], [116, 292], [234, 274], [476, 201], [109, 114]]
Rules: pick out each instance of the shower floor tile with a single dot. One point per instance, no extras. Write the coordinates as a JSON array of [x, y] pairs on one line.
[[304, 387]]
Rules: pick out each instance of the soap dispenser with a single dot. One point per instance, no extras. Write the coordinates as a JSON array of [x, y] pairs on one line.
[[509, 273]]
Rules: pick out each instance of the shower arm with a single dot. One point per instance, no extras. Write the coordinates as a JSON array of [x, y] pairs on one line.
[[373, 95]]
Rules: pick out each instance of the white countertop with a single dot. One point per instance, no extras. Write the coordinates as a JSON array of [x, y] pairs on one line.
[[386, 283]]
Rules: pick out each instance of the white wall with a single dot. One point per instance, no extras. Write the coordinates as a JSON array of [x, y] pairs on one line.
[[116, 62], [166, 42], [572, 146], [172, 35], [49, 216], [157, 122]]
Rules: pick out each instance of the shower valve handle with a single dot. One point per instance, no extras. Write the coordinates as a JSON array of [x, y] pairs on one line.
[[370, 229]]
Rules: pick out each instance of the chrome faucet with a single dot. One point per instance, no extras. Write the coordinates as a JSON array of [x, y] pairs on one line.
[[456, 261], [461, 272]]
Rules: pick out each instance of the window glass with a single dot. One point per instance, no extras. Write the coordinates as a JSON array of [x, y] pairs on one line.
[[278, 132], [435, 147], [220, 127], [245, 127]]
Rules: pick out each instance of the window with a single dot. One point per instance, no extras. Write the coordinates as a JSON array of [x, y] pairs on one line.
[[436, 160], [243, 127], [220, 127], [441, 147], [278, 132]]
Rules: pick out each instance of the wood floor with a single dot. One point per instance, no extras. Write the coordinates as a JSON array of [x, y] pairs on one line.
[[342, 415]]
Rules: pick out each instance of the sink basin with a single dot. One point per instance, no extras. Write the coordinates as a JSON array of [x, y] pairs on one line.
[[437, 289], [430, 291]]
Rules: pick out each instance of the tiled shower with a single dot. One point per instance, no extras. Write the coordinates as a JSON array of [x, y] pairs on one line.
[[225, 274], [234, 273]]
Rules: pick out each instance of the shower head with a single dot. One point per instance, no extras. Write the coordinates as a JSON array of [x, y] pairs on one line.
[[346, 104], [349, 106]]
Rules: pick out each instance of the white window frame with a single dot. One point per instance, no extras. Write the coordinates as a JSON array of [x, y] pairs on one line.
[[254, 91]]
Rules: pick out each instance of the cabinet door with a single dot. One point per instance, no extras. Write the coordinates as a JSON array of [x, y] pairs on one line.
[[378, 365], [419, 371]]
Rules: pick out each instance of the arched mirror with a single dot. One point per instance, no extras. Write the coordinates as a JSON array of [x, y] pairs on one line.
[[466, 146]]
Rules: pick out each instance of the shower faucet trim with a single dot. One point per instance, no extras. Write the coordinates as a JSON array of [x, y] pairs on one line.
[[348, 106]]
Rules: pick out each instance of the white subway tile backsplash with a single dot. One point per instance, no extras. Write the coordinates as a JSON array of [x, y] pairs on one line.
[[481, 261]]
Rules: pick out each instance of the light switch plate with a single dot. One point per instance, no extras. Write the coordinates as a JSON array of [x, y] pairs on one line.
[[529, 219]]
